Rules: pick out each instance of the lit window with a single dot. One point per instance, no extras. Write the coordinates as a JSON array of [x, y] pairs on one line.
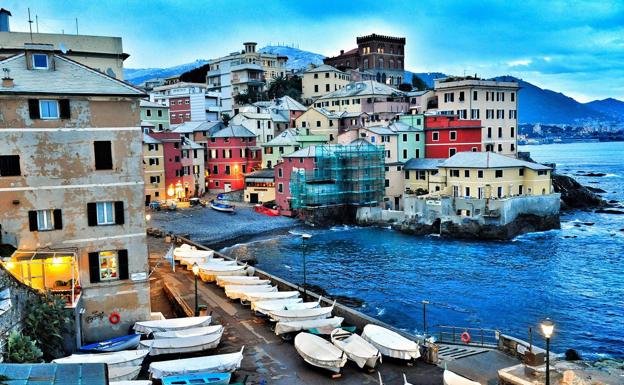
[[108, 265], [105, 213], [44, 220], [49, 109], [40, 61]]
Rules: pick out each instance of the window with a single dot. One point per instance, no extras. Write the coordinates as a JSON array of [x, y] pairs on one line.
[[40, 61], [500, 132], [155, 179], [280, 187], [474, 95], [105, 213], [512, 131], [318, 123], [453, 135], [153, 161], [461, 96], [542, 172], [489, 132], [521, 172], [513, 96], [315, 76], [467, 194], [316, 88], [160, 113], [405, 137], [466, 173], [404, 153], [455, 173], [215, 170], [327, 88], [474, 114], [103, 155], [387, 183], [500, 147], [227, 169], [498, 173], [512, 147], [108, 265], [452, 151], [280, 173], [480, 174], [435, 136], [449, 97], [387, 153], [10, 165], [520, 188], [49, 109], [45, 220], [500, 191]]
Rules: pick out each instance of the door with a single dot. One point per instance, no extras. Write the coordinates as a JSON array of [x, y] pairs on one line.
[[253, 198], [227, 187], [148, 199], [397, 203]]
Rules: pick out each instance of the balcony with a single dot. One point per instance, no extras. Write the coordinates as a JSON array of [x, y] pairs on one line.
[[54, 272]]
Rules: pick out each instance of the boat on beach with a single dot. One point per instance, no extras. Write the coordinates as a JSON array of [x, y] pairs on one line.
[[223, 281], [237, 291], [116, 359], [128, 342], [123, 373], [297, 326], [222, 206], [251, 297], [210, 273], [301, 314], [171, 324], [220, 363], [272, 211], [390, 343], [356, 348], [193, 332], [451, 378], [198, 378], [275, 304], [182, 344], [188, 251], [320, 353]]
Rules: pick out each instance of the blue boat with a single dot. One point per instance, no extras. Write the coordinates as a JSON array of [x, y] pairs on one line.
[[222, 207], [198, 379], [128, 342]]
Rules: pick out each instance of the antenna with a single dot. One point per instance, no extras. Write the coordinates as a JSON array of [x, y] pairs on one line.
[[37, 22], [30, 25], [76, 26]]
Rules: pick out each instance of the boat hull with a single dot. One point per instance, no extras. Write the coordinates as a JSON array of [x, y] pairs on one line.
[[128, 342]]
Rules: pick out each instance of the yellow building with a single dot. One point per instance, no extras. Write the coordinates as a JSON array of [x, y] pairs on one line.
[[260, 186], [153, 169], [319, 121], [422, 176], [321, 80]]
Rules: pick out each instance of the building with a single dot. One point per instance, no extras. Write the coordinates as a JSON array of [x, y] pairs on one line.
[[287, 142], [172, 152], [422, 101], [422, 176], [102, 53], [71, 188], [156, 114], [188, 102], [244, 71], [259, 186], [382, 55], [321, 80], [446, 135], [330, 176], [193, 168], [232, 153], [257, 120], [494, 103], [153, 169]]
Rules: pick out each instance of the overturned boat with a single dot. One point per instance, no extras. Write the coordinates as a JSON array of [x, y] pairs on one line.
[[238, 291], [276, 304], [320, 353], [182, 344], [193, 332], [223, 281], [390, 343], [210, 273], [199, 379], [297, 326], [360, 351], [220, 363], [171, 324], [128, 342], [252, 297], [123, 373], [301, 314], [451, 378], [116, 359]]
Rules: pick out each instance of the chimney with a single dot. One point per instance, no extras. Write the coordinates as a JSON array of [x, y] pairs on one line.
[[342, 51], [4, 20], [7, 81]]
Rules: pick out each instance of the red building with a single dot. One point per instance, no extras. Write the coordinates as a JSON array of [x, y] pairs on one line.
[[300, 159], [232, 152], [446, 135], [179, 109], [172, 144]]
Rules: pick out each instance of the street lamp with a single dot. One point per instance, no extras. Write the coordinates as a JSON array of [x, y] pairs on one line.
[[425, 303], [547, 329], [304, 236], [195, 273]]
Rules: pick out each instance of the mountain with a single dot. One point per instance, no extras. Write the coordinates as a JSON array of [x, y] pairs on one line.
[[139, 75], [297, 58], [611, 107]]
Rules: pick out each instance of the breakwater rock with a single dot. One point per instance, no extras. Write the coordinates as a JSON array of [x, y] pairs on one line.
[[574, 195]]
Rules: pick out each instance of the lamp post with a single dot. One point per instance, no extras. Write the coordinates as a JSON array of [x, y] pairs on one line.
[[304, 236], [425, 303], [195, 273], [547, 329]]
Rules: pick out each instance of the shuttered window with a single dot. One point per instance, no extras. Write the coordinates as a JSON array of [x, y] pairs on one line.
[[103, 155], [10, 165], [108, 266], [45, 220], [105, 213]]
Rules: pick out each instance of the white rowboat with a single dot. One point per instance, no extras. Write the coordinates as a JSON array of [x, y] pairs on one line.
[[182, 344], [301, 314], [210, 274], [296, 326], [123, 373], [171, 324], [276, 304], [451, 378], [237, 291], [357, 348], [251, 297], [223, 281], [390, 343], [116, 359], [220, 363], [318, 352], [193, 332]]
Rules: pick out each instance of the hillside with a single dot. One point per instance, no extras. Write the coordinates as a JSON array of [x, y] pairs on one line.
[[611, 107], [297, 58], [139, 75]]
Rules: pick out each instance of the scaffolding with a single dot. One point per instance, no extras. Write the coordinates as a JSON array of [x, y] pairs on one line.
[[343, 175]]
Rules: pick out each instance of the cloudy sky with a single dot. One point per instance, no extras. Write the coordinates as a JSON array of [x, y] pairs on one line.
[[574, 47]]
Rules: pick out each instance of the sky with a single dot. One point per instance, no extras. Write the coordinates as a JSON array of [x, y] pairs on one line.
[[574, 47]]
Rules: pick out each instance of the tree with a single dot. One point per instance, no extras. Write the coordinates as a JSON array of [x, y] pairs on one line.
[[196, 75], [405, 87], [418, 83], [250, 96], [225, 118], [22, 349], [46, 322], [282, 86]]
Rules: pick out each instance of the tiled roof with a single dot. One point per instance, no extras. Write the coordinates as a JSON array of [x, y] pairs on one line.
[[180, 85], [198, 126], [307, 152], [150, 140], [234, 131], [423, 164], [267, 173], [67, 78], [488, 160], [288, 103], [363, 88], [323, 68], [147, 103], [187, 143]]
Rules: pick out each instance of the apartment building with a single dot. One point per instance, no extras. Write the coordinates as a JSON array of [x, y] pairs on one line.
[[494, 103], [156, 114], [320, 80], [446, 135], [188, 102], [72, 188], [153, 169], [287, 142]]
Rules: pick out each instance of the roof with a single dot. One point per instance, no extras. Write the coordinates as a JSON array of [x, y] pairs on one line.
[[393, 128], [55, 374], [329, 114], [363, 88], [307, 152], [234, 131], [488, 160], [288, 103], [145, 123], [186, 142], [278, 116], [381, 130], [423, 164], [323, 68], [67, 78], [292, 137], [150, 140], [180, 85], [246, 66], [418, 93], [267, 173], [198, 126], [147, 103]]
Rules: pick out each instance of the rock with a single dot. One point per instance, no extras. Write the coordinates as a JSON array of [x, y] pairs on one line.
[[577, 225], [593, 174], [572, 355], [622, 230], [588, 223], [574, 195], [570, 236], [608, 211], [613, 202], [596, 190]]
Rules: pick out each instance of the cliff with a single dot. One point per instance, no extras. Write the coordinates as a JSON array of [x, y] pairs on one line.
[[574, 195]]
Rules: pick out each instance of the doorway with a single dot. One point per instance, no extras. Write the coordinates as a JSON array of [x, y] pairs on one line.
[[253, 197]]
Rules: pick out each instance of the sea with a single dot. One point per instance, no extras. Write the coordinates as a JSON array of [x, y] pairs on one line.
[[574, 276]]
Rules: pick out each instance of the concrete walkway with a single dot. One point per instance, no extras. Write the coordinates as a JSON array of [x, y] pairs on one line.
[[266, 358]]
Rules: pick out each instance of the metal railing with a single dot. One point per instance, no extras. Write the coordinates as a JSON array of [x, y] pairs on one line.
[[478, 336]]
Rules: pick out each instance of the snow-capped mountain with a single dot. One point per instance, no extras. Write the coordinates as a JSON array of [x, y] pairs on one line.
[[297, 58], [139, 75]]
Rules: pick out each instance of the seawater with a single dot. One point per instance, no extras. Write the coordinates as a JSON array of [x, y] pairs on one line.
[[574, 275]]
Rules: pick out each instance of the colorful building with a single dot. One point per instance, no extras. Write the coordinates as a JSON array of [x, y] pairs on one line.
[[320, 80], [446, 135], [156, 114], [153, 169], [288, 142], [188, 102], [193, 172], [72, 199], [232, 153], [172, 153], [259, 186], [422, 176]]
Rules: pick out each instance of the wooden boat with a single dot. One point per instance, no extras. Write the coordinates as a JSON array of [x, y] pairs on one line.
[[123, 373], [198, 378], [301, 314], [189, 251], [190, 261], [269, 305], [193, 332], [116, 359], [297, 326], [272, 212], [171, 324], [223, 281], [131, 382], [251, 297], [222, 206], [326, 330], [220, 363], [451, 378], [237, 291], [390, 343], [210, 273], [319, 352], [113, 345], [182, 344], [356, 348]]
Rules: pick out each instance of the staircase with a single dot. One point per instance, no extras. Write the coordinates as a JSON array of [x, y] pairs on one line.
[[450, 352]]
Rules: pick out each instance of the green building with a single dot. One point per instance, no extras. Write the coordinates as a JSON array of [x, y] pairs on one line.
[[155, 113], [416, 143], [289, 141]]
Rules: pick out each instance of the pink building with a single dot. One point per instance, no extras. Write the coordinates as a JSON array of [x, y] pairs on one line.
[[172, 145], [298, 160]]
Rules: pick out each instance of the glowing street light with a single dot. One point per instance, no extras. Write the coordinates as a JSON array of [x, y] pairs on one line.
[[196, 273], [547, 329]]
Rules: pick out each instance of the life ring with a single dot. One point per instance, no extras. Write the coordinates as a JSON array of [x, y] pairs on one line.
[[465, 337], [114, 318]]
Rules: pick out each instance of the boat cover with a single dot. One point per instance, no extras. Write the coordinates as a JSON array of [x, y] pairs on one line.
[[302, 305], [183, 251], [319, 352], [241, 280], [296, 326], [209, 274], [251, 297], [221, 363], [189, 261], [171, 324], [193, 332], [451, 378], [237, 291], [216, 264], [135, 382], [390, 343], [122, 358], [357, 348], [276, 304], [301, 314], [123, 373], [182, 344]]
